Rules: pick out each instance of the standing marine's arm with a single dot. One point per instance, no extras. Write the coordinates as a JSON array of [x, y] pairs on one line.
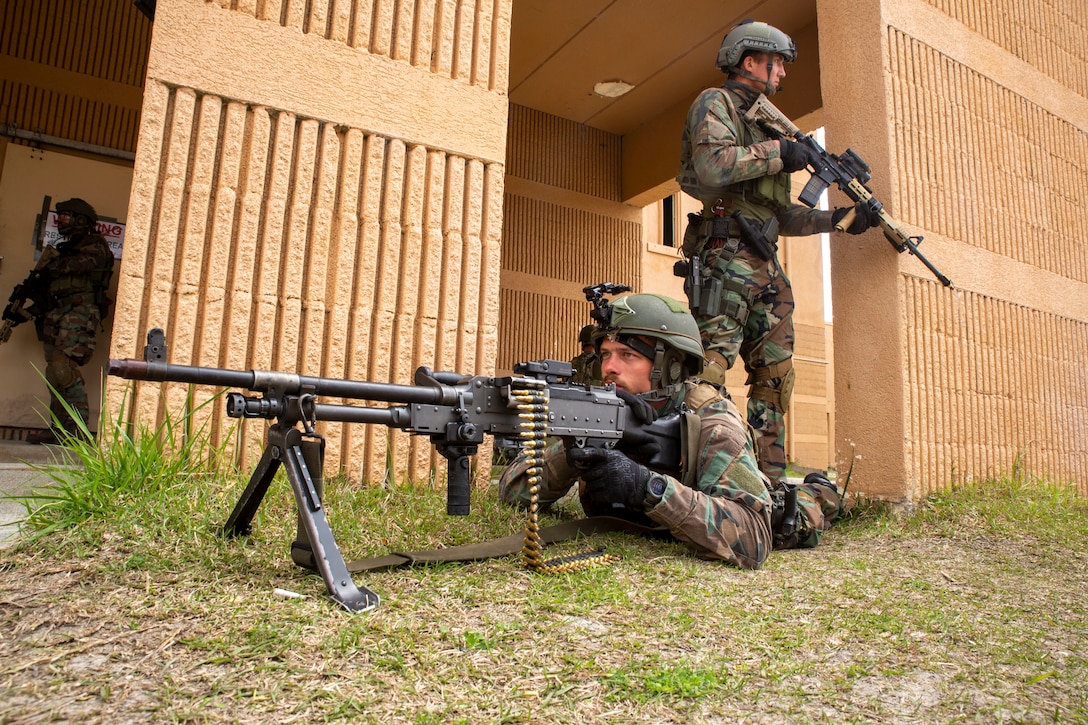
[[798, 220], [717, 157]]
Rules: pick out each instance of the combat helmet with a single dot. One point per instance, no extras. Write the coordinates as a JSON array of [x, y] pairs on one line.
[[84, 217], [752, 36], [677, 353], [585, 337]]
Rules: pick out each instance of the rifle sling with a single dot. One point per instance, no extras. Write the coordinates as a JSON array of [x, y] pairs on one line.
[[506, 545]]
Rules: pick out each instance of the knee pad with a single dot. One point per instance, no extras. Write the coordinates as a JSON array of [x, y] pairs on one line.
[[61, 371], [783, 376]]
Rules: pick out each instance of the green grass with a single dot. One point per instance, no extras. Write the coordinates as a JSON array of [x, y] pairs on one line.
[[125, 603]]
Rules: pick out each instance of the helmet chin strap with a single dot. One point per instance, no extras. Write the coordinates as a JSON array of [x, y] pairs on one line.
[[769, 89], [658, 389]]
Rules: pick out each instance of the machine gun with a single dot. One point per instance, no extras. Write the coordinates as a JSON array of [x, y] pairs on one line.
[[849, 172], [454, 410], [27, 296]]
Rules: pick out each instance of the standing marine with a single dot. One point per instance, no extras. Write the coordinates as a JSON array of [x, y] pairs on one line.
[[68, 317], [743, 301]]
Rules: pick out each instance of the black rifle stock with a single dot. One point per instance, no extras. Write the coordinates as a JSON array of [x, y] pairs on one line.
[[849, 172], [453, 410]]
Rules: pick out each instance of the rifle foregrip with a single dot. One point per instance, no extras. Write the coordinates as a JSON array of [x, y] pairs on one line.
[[847, 220]]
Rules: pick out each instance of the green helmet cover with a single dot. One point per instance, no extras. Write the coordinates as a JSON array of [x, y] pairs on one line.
[[662, 318], [79, 208], [750, 35]]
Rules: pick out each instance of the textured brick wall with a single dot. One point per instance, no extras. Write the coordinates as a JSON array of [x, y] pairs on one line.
[[74, 69], [978, 135], [563, 229], [295, 209]]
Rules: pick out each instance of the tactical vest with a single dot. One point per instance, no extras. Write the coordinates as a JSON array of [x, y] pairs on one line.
[[758, 198], [91, 285]]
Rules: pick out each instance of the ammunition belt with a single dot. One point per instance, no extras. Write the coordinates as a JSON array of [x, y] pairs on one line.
[[533, 404]]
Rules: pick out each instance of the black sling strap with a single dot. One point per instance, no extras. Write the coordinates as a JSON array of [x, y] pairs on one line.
[[508, 544]]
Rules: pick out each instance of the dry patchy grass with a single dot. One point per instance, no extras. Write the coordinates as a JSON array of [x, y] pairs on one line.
[[941, 616]]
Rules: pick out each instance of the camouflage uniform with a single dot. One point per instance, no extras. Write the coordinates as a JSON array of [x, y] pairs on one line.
[[586, 371], [723, 509], [732, 166], [78, 279]]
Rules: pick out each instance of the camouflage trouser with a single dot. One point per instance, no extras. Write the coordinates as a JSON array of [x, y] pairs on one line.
[[818, 507], [68, 337], [763, 340]]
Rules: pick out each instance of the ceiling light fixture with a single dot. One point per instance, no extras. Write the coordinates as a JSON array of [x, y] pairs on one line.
[[612, 89]]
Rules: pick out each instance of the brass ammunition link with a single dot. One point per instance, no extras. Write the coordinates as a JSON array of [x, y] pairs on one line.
[[533, 433]]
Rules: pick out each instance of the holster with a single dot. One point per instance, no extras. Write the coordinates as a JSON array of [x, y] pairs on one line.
[[784, 519], [761, 238], [705, 288]]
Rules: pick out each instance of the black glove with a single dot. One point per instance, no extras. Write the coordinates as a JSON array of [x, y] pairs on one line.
[[641, 409], [611, 478], [636, 441], [820, 479], [864, 217], [796, 156]]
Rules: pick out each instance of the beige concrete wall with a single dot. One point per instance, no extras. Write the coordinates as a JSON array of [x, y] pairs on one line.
[[306, 198], [974, 118], [563, 228]]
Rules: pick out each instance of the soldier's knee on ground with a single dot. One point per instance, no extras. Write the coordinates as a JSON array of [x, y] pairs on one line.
[[61, 371]]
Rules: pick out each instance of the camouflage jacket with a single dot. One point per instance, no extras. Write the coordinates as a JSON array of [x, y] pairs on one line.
[[723, 157], [725, 512], [80, 273], [587, 369]]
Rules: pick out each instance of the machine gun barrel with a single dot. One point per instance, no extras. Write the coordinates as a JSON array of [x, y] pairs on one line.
[[266, 381], [455, 411]]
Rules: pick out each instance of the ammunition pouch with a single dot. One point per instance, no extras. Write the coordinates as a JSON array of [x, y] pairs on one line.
[[762, 239], [701, 229]]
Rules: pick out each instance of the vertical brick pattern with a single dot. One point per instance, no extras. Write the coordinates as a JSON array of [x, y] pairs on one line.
[[1030, 167], [282, 242], [979, 410], [563, 154], [993, 384], [561, 247], [79, 44], [1048, 36], [452, 38]]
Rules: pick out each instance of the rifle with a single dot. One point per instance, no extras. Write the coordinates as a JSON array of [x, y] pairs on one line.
[[31, 292], [849, 172], [454, 410]]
